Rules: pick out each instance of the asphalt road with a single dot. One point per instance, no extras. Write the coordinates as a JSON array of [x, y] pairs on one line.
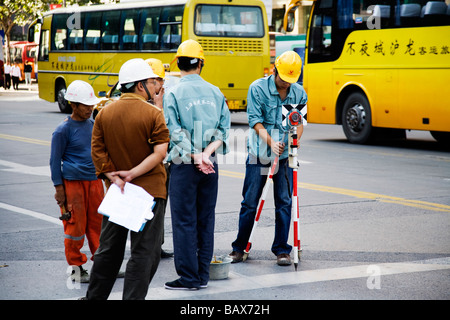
[[374, 219]]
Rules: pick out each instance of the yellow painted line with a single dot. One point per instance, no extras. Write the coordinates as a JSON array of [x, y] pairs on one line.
[[23, 139], [359, 194], [309, 186]]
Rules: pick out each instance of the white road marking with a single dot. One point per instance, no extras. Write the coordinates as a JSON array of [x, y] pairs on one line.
[[30, 213], [240, 282], [20, 168]]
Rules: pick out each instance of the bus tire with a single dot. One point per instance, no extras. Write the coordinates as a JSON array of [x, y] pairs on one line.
[[357, 119], [62, 103]]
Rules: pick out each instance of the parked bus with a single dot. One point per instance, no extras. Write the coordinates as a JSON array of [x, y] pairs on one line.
[[23, 52], [91, 43], [378, 67]]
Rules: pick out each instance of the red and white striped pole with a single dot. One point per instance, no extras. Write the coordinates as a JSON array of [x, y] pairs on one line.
[[293, 163]]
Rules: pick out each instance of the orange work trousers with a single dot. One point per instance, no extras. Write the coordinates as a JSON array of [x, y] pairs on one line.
[[82, 200]]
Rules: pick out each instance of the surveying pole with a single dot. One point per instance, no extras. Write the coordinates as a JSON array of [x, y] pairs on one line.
[[294, 119]]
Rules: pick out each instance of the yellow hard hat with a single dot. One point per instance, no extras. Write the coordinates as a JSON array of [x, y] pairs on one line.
[[157, 67], [190, 48], [289, 66]]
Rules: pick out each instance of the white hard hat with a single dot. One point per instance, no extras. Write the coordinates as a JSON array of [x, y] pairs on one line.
[[135, 70], [81, 92]]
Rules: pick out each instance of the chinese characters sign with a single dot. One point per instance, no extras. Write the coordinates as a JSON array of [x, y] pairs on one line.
[[395, 47]]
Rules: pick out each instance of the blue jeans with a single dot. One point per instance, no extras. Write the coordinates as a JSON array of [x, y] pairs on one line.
[[193, 197], [255, 179]]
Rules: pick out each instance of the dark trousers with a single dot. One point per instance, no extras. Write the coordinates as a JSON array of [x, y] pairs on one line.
[[254, 182], [7, 81], [193, 197], [15, 81], [142, 265]]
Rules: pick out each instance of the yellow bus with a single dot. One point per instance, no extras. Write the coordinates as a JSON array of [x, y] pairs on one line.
[[91, 43], [384, 69]]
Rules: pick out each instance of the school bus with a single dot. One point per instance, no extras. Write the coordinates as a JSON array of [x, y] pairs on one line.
[[378, 68], [91, 43]]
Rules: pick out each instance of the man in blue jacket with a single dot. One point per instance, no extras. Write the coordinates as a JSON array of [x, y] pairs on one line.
[[266, 96], [198, 120]]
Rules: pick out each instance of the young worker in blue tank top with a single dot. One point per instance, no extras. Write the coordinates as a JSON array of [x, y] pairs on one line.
[[198, 120]]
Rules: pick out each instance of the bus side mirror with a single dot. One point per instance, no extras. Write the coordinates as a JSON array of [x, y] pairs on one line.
[[32, 29], [289, 25], [289, 17], [31, 33]]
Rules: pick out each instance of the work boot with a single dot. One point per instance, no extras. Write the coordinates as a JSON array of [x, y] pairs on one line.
[[236, 256], [79, 275], [284, 259]]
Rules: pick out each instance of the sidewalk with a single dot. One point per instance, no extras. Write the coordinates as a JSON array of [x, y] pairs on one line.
[[23, 89]]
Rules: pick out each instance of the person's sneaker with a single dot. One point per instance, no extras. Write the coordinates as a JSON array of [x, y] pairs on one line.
[[236, 256], [79, 275], [284, 259], [177, 285], [165, 254]]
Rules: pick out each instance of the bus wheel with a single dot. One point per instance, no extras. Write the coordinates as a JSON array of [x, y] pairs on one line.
[[62, 103], [357, 119], [441, 137]]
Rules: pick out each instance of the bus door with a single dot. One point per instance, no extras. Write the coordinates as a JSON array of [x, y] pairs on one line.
[[319, 50]]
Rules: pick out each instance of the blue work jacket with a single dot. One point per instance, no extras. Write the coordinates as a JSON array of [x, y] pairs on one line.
[[196, 114], [264, 105]]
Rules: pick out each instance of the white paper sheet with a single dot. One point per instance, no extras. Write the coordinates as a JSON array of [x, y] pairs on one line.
[[130, 209]]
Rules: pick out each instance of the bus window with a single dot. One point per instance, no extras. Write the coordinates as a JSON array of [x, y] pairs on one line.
[[111, 30], [150, 31], [229, 21], [44, 45], [130, 29], [59, 32], [75, 39], [31, 52], [320, 43], [434, 13], [15, 53], [93, 24], [170, 24]]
